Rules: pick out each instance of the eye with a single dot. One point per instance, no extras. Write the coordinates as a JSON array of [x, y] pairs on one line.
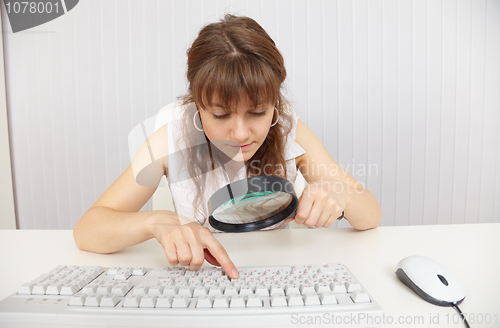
[[259, 113], [220, 117]]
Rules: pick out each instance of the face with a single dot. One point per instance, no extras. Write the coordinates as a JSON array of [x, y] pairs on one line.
[[239, 132]]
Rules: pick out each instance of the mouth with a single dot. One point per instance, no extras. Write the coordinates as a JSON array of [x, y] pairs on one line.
[[243, 147]]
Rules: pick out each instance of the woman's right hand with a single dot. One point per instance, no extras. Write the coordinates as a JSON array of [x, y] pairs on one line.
[[189, 244]]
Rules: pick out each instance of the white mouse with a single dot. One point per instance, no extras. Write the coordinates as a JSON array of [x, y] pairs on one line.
[[430, 280]]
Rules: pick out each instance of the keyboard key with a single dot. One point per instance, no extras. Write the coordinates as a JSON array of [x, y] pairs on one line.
[[322, 287], [360, 296], [26, 288], [132, 301], [204, 302], [40, 289], [311, 299], [148, 301], [329, 268], [338, 288], [327, 298], [352, 286], [276, 290], [169, 291], [237, 301], [307, 288], [198, 291], [278, 300], [254, 301], [109, 300], [261, 291], [113, 270], [78, 299], [89, 289], [156, 290], [185, 290], [164, 301], [160, 272], [139, 271], [87, 278], [104, 289], [69, 289], [220, 301], [96, 271], [80, 283], [299, 269], [245, 290], [57, 269], [295, 299], [120, 289], [54, 288], [215, 291], [230, 291], [180, 301], [93, 300], [140, 290], [123, 274], [42, 278], [291, 289]]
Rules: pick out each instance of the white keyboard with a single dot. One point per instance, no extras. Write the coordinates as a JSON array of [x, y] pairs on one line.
[[278, 296]]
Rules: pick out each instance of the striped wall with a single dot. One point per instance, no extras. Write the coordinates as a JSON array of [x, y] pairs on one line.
[[404, 94]]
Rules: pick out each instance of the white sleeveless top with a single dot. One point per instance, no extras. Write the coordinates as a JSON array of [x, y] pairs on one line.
[[183, 188]]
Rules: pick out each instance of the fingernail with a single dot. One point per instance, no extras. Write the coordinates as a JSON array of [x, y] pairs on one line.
[[235, 273]]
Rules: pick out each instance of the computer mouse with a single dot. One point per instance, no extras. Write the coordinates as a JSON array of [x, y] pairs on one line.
[[430, 280]]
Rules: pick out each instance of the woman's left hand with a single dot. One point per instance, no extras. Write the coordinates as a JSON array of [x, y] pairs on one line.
[[321, 204]]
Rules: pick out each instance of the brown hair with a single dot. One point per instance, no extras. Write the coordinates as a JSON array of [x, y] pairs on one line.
[[233, 58]]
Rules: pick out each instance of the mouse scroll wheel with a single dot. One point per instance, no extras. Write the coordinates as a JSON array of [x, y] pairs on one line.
[[443, 279]]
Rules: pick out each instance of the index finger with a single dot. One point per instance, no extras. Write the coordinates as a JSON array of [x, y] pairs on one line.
[[220, 254], [303, 210]]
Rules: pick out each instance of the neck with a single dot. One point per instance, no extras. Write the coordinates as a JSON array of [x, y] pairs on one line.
[[232, 168]]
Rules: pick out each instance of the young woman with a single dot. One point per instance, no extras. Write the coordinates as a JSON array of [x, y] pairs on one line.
[[235, 124]]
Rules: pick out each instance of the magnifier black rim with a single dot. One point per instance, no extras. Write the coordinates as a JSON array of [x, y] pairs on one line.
[[286, 213]]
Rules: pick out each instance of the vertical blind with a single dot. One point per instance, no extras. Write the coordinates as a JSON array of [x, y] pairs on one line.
[[404, 95]]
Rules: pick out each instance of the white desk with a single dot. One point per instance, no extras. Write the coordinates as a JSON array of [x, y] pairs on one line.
[[471, 252]]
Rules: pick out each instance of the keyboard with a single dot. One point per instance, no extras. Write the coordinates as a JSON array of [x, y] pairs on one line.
[[269, 296]]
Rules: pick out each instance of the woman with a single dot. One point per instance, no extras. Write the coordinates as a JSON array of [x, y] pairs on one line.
[[236, 124]]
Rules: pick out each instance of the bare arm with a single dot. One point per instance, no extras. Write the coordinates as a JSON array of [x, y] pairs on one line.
[[114, 222]]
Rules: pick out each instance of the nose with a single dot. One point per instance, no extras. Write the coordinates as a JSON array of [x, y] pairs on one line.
[[240, 130]]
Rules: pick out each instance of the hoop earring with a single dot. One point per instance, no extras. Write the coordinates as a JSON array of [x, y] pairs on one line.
[[194, 122], [277, 119]]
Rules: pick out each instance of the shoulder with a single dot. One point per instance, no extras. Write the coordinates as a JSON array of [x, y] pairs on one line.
[[308, 140], [169, 113], [151, 160]]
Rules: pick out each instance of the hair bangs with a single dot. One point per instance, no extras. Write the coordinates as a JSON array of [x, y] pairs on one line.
[[230, 78]]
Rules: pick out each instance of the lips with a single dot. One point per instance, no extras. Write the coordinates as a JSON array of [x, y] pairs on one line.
[[243, 147]]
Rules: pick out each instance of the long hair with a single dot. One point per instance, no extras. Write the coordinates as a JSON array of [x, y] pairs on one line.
[[230, 59]]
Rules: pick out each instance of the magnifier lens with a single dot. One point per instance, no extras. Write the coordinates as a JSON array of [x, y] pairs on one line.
[[252, 207], [252, 204]]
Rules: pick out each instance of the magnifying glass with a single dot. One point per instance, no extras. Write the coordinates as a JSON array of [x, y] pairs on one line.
[[252, 204]]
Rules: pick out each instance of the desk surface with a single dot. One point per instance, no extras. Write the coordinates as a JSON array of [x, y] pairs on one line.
[[471, 252]]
